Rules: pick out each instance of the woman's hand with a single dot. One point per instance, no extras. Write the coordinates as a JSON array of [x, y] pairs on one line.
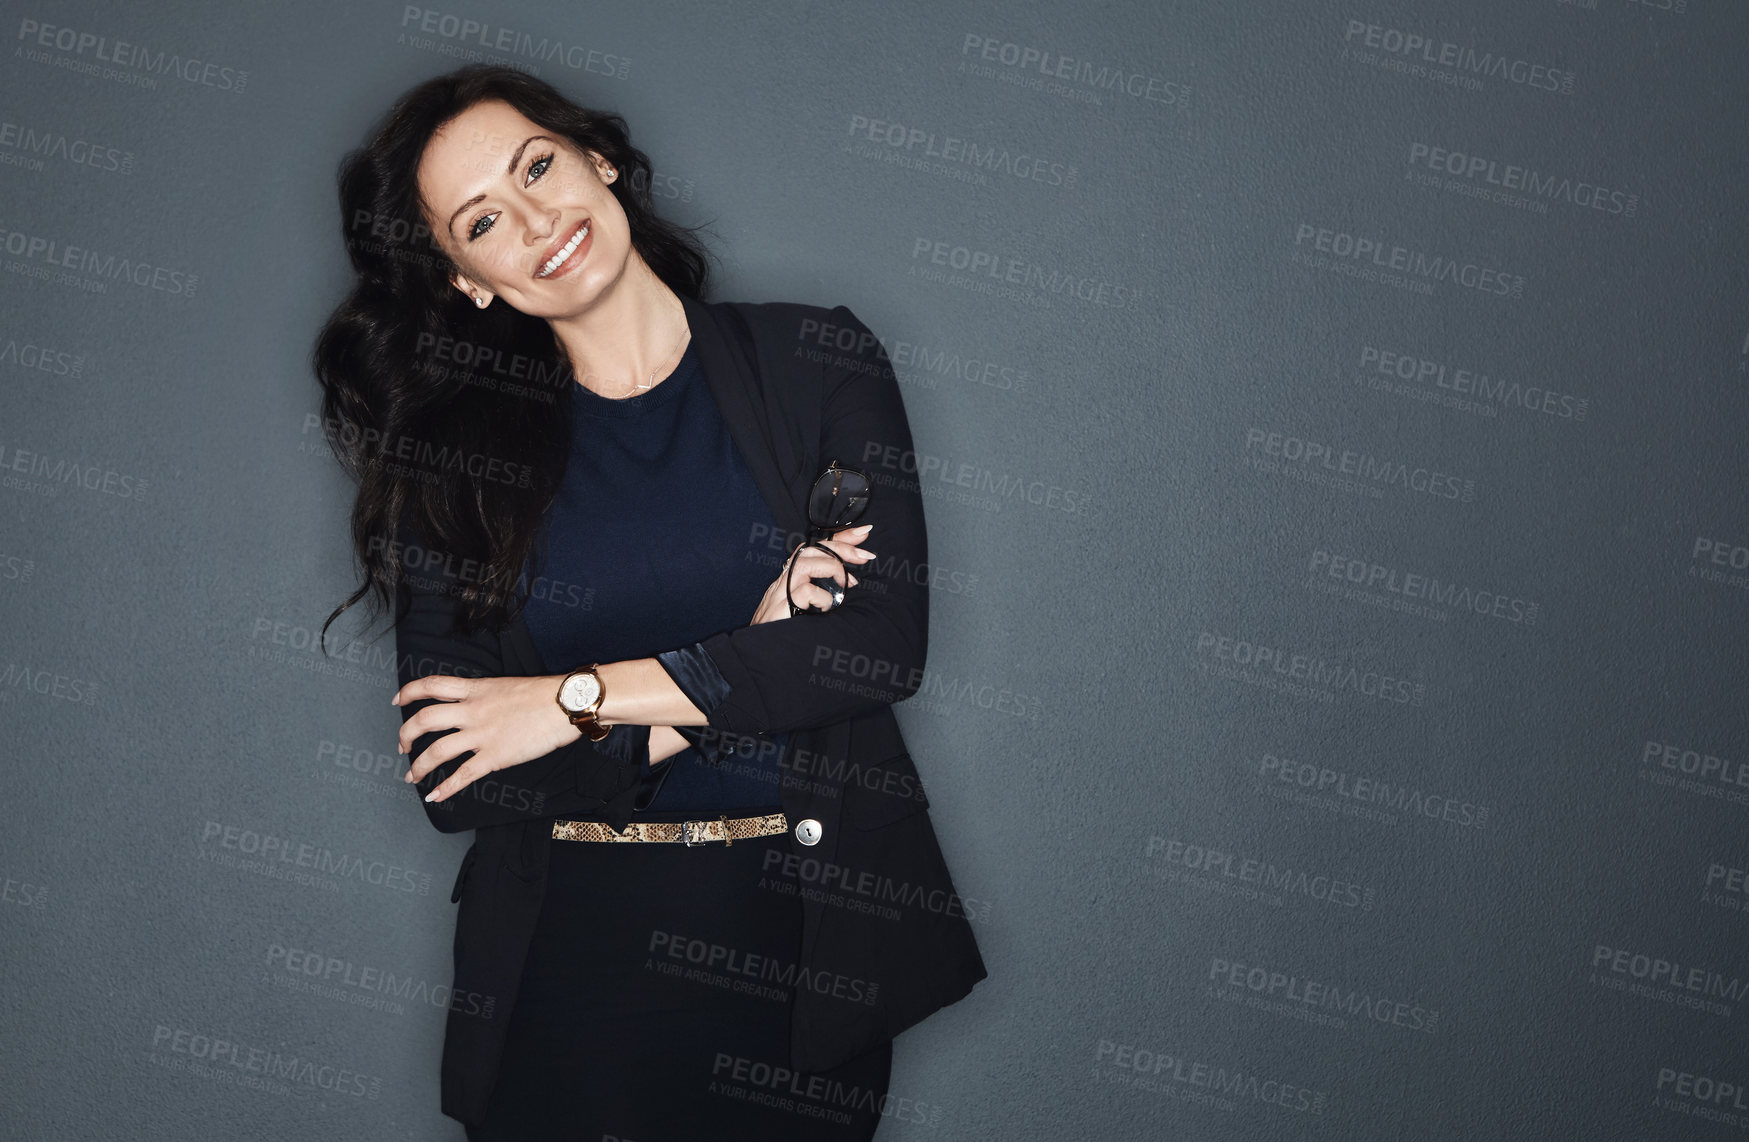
[[808, 565], [505, 721]]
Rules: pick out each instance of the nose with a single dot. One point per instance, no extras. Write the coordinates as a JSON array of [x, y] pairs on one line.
[[539, 225]]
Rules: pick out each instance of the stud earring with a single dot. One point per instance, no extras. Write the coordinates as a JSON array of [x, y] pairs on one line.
[[611, 175], [480, 301]]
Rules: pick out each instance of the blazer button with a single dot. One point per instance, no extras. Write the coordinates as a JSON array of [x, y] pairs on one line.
[[808, 831]]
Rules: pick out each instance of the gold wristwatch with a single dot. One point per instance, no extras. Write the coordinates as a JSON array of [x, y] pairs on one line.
[[580, 696]]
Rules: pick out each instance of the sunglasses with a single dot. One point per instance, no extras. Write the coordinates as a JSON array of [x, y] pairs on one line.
[[836, 501]]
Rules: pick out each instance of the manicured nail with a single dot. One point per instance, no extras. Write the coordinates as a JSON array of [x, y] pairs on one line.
[[431, 796]]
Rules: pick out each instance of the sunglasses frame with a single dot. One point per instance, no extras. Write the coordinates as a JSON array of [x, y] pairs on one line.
[[834, 471]]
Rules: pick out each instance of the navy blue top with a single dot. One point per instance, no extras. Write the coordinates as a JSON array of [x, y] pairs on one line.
[[657, 540]]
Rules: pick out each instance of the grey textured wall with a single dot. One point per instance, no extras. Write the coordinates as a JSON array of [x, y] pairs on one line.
[[1334, 419]]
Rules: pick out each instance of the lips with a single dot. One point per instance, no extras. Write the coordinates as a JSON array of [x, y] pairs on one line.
[[562, 249]]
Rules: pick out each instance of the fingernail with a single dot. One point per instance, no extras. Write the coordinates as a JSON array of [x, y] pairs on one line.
[[431, 796]]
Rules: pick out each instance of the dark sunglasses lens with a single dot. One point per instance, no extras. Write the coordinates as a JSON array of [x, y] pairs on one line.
[[838, 498]]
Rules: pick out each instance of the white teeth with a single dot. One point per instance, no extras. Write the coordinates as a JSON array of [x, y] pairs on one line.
[[558, 259]]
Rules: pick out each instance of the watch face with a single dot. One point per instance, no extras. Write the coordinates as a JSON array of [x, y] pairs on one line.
[[579, 691]]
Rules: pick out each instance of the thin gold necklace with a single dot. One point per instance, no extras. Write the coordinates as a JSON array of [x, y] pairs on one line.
[[684, 330]]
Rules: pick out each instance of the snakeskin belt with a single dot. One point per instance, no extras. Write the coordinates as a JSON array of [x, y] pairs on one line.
[[725, 829]]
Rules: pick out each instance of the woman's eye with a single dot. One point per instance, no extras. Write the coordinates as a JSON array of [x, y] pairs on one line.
[[535, 170]]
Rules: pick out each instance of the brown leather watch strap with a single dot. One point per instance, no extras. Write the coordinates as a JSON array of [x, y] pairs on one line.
[[586, 719]]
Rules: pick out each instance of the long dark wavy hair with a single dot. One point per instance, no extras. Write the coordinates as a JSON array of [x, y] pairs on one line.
[[454, 420]]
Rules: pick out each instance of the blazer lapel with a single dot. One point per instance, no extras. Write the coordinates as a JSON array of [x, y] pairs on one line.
[[729, 367]]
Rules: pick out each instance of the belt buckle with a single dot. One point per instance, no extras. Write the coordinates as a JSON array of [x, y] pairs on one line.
[[686, 832]]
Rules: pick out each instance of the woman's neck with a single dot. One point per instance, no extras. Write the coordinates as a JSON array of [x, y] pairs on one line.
[[636, 330]]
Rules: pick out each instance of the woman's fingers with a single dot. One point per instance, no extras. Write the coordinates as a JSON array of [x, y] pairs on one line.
[[445, 686], [847, 549], [439, 716], [812, 565], [465, 775], [810, 562], [818, 565], [445, 749]]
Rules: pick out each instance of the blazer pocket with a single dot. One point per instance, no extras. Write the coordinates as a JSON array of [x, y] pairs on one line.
[[880, 794], [461, 877]]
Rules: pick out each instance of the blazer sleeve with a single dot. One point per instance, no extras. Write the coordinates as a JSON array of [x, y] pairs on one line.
[[811, 670], [580, 778]]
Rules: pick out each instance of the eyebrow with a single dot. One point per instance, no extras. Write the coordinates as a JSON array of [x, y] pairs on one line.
[[509, 168]]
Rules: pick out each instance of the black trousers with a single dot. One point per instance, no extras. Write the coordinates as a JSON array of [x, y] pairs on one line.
[[655, 1006]]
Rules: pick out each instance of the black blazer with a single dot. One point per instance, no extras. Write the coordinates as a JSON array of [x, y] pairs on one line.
[[885, 936]]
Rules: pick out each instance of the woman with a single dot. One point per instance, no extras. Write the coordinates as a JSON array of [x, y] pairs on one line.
[[705, 892]]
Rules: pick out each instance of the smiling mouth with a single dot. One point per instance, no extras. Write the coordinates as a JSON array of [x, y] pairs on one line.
[[565, 251]]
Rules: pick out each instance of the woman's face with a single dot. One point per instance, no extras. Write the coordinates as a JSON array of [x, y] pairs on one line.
[[524, 214]]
